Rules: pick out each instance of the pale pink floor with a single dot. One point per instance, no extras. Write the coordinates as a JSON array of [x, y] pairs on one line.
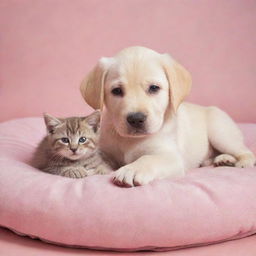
[[14, 245]]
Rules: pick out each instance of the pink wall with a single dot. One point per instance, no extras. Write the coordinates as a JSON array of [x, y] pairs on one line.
[[47, 46]]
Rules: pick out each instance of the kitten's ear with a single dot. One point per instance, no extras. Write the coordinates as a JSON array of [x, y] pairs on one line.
[[94, 120], [51, 122]]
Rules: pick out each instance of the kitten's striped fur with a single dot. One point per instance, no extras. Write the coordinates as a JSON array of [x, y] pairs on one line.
[[75, 159]]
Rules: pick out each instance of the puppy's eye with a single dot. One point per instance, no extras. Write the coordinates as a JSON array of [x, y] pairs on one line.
[[65, 140], [117, 91], [82, 140], [153, 88]]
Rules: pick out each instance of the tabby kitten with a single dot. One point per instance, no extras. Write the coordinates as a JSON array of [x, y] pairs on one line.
[[70, 147]]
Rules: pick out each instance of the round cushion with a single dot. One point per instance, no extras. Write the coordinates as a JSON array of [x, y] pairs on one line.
[[208, 205]]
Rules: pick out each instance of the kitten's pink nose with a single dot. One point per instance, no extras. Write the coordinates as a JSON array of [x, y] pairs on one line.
[[73, 150]]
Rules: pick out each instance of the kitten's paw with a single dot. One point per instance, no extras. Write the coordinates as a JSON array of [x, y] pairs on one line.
[[75, 172], [127, 176], [224, 160]]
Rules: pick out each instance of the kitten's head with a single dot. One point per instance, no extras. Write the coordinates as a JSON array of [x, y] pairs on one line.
[[74, 137]]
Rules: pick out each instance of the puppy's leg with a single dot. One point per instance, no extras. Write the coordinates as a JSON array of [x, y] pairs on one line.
[[148, 168], [207, 162], [225, 136], [224, 160]]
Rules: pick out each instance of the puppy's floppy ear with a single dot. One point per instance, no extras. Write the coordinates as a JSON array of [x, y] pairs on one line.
[[92, 87], [179, 80]]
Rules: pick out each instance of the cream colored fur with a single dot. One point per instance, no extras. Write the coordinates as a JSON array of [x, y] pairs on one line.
[[178, 136]]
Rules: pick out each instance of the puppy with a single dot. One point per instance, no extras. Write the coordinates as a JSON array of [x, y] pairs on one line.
[[147, 129]]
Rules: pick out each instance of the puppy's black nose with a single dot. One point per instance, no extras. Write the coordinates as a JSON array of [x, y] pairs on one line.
[[136, 119]]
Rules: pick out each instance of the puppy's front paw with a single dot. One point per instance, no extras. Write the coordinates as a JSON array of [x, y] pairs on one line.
[[128, 176]]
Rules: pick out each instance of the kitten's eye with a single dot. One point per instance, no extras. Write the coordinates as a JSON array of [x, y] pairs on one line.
[[153, 89], [65, 140], [82, 140], [117, 91]]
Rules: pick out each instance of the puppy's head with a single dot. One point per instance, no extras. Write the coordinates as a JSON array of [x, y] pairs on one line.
[[136, 87]]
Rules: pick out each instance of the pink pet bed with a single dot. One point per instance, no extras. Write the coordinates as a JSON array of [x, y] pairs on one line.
[[208, 205]]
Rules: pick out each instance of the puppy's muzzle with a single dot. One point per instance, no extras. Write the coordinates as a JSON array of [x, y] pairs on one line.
[[136, 120]]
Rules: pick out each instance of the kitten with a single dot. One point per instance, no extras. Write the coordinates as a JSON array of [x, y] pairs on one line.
[[70, 147]]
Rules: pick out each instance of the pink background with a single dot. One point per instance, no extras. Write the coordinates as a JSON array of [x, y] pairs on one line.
[[47, 46]]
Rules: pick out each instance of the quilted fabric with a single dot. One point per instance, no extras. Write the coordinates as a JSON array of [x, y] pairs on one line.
[[206, 206]]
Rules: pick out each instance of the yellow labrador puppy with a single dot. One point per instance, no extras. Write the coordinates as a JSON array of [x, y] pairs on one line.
[[147, 129]]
